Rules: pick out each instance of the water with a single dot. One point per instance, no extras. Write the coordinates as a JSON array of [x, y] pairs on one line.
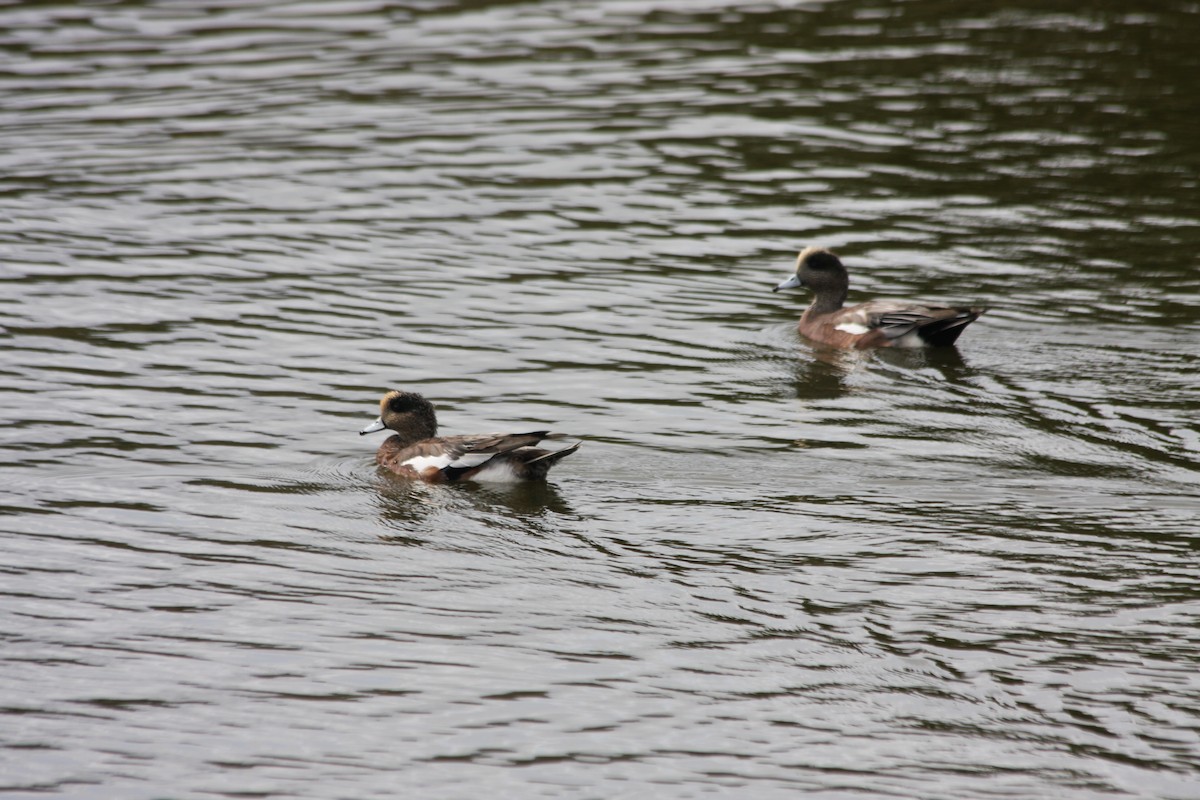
[[227, 228]]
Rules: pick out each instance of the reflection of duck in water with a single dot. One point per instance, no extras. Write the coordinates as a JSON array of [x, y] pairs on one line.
[[875, 323], [416, 451], [413, 512]]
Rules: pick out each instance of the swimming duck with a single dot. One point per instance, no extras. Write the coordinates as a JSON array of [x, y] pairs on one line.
[[414, 450], [875, 323]]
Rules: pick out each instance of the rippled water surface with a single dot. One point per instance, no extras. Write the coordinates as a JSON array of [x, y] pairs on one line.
[[772, 569]]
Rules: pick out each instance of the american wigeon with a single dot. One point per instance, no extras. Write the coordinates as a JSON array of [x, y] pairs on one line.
[[415, 450], [875, 323]]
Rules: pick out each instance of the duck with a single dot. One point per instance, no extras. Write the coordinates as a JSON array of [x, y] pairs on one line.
[[875, 323], [414, 450]]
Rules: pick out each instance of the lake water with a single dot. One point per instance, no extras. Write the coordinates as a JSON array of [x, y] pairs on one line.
[[772, 570]]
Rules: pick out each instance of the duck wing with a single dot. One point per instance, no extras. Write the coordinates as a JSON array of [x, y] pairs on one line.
[[935, 325], [454, 456]]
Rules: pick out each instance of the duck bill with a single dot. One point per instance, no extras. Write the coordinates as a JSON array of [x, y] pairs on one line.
[[790, 283], [377, 425]]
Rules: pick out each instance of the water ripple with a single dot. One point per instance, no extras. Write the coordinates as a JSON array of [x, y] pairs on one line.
[[227, 229]]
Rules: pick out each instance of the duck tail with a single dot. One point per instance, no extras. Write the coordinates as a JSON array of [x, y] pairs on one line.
[[944, 331], [548, 459]]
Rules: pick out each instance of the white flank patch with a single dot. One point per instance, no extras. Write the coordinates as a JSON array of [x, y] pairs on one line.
[[852, 328], [909, 340], [496, 472], [422, 463], [465, 461]]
